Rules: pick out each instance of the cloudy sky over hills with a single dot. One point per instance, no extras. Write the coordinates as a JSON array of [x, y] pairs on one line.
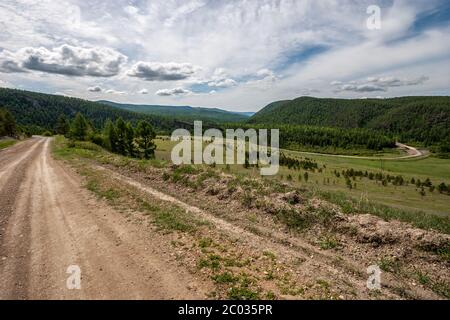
[[239, 55]]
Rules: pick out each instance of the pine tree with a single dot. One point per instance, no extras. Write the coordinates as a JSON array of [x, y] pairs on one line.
[[129, 140], [63, 125], [442, 188], [144, 137], [110, 136], [121, 129], [2, 123], [7, 123], [79, 128]]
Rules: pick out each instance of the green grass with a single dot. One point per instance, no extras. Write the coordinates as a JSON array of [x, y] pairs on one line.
[[109, 193], [423, 277], [402, 203], [7, 143], [328, 242], [304, 220], [212, 261], [244, 289], [440, 287], [225, 277], [270, 255], [388, 264], [205, 243], [172, 218], [428, 167], [405, 198]]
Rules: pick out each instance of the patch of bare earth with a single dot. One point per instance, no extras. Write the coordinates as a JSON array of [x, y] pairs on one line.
[[50, 222]]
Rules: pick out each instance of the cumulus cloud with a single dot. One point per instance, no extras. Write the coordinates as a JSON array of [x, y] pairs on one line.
[[112, 91], [396, 82], [265, 78], [361, 88], [95, 89], [221, 79], [143, 91], [265, 73], [374, 84], [66, 60], [222, 83], [172, 92], [160, 71]]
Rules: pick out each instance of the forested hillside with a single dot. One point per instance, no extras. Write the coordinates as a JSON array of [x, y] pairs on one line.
[[7, 123], [41, 111], [325, 139], [422, 119], [183, 112]]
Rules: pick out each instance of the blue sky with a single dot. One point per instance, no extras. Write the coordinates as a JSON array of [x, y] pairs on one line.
[[237, 55]]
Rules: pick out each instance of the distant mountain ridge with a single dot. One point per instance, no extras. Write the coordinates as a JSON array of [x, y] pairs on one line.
[[422, 119], [183, 112], [41, 111]]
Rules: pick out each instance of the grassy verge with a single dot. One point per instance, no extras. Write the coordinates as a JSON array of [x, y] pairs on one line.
[[7, 143]]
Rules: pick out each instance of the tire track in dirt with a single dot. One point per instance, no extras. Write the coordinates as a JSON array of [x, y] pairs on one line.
[[55, 223], [13, 172]]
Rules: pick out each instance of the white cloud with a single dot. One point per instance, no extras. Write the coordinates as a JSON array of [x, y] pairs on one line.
[[396, 82], [66, 60], [112, 91], [159, 71], [265, 79], [222, 83], [265, 73], [221, 79], [173, 92], [361, 88], [95, 89], [5, 84], [143, 91], [373, 84]]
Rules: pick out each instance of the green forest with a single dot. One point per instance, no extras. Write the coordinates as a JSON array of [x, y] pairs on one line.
[[295, 136], [7, 123], [40, 112], [185, 113], [409, 119]]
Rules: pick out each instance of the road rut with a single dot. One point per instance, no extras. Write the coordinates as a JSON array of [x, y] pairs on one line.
[[48, 222]]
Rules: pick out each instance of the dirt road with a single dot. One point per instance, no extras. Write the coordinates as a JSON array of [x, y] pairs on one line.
[[412, 153], [48, 222]]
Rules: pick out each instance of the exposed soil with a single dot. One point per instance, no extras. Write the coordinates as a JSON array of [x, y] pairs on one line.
[[49, 222]]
